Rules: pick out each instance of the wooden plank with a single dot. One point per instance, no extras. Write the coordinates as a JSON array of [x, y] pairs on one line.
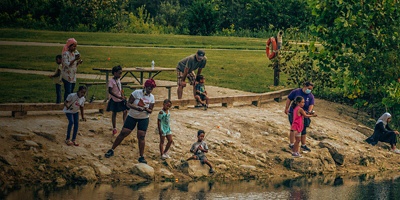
[[10, 107], [227, 101]]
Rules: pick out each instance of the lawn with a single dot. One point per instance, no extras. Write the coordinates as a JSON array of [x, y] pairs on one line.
[[133, 40], [28, 88], [233, 67]]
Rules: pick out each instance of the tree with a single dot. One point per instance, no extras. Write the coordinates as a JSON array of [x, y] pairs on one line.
[[202, 18], [361, 46]]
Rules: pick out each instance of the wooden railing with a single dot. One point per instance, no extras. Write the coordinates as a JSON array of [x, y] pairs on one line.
[[21, 109]]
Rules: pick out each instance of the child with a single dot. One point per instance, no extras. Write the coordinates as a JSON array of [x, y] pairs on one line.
[[201, 93], [298, 125], [57, 78], [164, 129], [72, 104], [117, 102], [199, 149]]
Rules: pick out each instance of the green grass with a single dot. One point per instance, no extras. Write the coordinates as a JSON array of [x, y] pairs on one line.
[[236, 69], [30, 88], [233, 67], [136, 40]]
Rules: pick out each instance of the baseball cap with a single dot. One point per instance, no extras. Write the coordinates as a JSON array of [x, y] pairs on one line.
[[201, 53]]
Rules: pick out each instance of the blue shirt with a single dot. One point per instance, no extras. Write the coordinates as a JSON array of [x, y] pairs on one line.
[[308, 98]]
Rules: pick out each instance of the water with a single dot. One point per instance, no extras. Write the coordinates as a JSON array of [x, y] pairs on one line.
[[358, 187]]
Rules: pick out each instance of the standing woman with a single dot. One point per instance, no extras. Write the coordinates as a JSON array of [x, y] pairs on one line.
[[384, 133], [70, 61], [141, 103]]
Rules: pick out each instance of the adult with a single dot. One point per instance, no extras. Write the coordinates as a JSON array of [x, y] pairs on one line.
[[383, 133], [186, 68], [141, 103], [304, 92], [70, 61]]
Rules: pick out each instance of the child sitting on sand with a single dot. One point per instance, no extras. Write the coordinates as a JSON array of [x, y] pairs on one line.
[[199, 149]]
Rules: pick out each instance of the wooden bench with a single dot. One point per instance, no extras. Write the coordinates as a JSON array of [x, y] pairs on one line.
[[168, 87], [88, 85], [91, 83]]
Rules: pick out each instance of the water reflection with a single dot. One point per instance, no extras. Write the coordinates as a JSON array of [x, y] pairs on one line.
[[327, 187]]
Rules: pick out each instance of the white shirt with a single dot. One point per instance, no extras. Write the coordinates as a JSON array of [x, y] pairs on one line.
[[74, 103], [145, 100]]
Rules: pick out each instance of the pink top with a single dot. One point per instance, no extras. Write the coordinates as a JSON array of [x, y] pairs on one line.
[[297, 124], [116, 89]]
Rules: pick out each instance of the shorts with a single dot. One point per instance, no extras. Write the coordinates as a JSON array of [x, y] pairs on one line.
[[202, 96], [202, 158], [296, 133], [142, 124], [307, 122], [165, 134], [191, 76], [116, 106]]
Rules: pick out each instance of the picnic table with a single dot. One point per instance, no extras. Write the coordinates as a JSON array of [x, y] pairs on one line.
[[138, 73]]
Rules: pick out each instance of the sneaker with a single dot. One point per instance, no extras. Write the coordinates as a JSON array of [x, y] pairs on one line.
[[109, 153], [305, 148], [69, 143], [396, 151], [164, 156], [291, 146], [205, 107], [75, 143], [114, 131], [199, 105], [296, 155], [211, 171], [142, 160]]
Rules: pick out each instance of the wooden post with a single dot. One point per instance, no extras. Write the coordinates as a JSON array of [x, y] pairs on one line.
[[276, 73], [276, 77]]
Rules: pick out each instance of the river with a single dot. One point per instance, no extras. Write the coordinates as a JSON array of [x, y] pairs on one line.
[[337, 187]]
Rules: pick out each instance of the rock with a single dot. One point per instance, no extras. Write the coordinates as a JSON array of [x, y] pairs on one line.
[[41, 168], [334, 150], [326, 160], [166, 174], [8, 159], [22, 137], [101, 170], [367, 160], [31, 143], [60, 182], [48, 136], [248, 167], [265, 133], [167, 163], [197, 170], [365, 130], [143, 170], [304, 165], [84, 174]]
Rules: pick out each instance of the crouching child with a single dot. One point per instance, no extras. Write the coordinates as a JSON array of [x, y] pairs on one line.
[[199, 149]]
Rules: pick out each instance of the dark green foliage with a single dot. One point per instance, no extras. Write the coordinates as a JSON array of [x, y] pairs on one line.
[[254, 18], [361, 50]]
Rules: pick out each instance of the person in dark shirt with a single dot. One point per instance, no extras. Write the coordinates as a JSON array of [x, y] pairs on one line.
[[304, 92], [384, 133]]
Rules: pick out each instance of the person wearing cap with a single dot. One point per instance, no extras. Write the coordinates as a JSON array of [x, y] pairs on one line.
[[186, 68], [141, 103]]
